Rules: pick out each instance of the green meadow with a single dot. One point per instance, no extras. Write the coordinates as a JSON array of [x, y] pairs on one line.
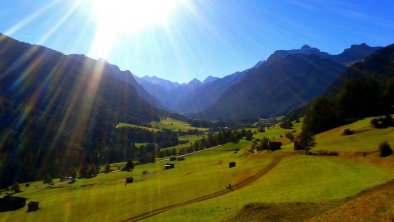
[[166, 123], [365, 138], [189, 138], [197, 188], [173, 124]]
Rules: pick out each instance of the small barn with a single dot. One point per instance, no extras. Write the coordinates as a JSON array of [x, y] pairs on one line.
[[32, 206], [169, 166], [10, 203], [232, 164], [129, 180]]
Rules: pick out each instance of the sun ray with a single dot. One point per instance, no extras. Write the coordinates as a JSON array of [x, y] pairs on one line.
[[31, 18], [59, 24]]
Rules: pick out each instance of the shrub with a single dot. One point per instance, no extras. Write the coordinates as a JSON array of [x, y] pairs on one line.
[[382, 122], [388, 120], [348, 132], [48, 180], [385, 150], [173, 158], [290, 136], [107, 168], [129, 166]]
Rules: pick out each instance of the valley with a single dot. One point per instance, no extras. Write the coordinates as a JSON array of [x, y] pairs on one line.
[[297, 134], [197, 187]]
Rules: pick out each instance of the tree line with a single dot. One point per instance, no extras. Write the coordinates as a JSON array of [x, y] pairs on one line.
[[211, 140], [358, 99]]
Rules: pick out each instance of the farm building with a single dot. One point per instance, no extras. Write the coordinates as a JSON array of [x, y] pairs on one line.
[[169, 166], [32, 206], [129, 180]]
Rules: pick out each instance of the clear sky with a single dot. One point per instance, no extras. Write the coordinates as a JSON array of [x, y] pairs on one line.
[[184, 39]]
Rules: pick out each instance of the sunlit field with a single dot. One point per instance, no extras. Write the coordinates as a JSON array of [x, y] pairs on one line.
[[164, 124], [196, 110], [173, 124], [107, 197], [365, 139], [185, 190]]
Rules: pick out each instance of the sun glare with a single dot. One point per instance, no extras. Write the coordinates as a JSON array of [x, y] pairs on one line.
[[128, 16], [116, 18]]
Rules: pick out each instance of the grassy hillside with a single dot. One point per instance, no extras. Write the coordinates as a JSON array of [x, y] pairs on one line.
[[267, 183], [165, 123], [189, 138], [276, 132], [107, 198], [173, 124], [128, 125], [365, 139], [373, 205], [296, 179]]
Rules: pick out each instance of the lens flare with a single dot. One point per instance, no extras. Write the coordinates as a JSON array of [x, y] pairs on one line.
[[119, 18]]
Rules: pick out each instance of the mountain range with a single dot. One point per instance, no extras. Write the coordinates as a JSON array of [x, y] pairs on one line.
[[286, 80], [61, 110]]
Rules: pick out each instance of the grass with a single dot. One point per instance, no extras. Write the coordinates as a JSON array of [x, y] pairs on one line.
[[365, 139], [189, 138], [376, 204], [106, 198], [164, 124], [275, 133], [128, 125], [295, 179], [173, 124]]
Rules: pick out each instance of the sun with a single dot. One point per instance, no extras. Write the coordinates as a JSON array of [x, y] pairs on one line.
[[128, 16], [116, 18]]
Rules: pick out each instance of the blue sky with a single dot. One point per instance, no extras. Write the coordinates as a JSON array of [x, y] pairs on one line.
[[202, 37]]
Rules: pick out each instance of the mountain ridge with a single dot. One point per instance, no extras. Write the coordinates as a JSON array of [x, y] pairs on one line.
[[56, 109], [253, 96]]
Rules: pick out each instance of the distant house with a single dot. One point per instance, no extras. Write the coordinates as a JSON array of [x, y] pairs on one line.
[[232, 164], [169, 166]]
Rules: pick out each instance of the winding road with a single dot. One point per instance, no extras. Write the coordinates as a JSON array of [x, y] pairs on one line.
[[237, 186]]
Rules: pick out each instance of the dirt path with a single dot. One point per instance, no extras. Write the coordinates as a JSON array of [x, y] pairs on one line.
[[237, 186], [195, 152]]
